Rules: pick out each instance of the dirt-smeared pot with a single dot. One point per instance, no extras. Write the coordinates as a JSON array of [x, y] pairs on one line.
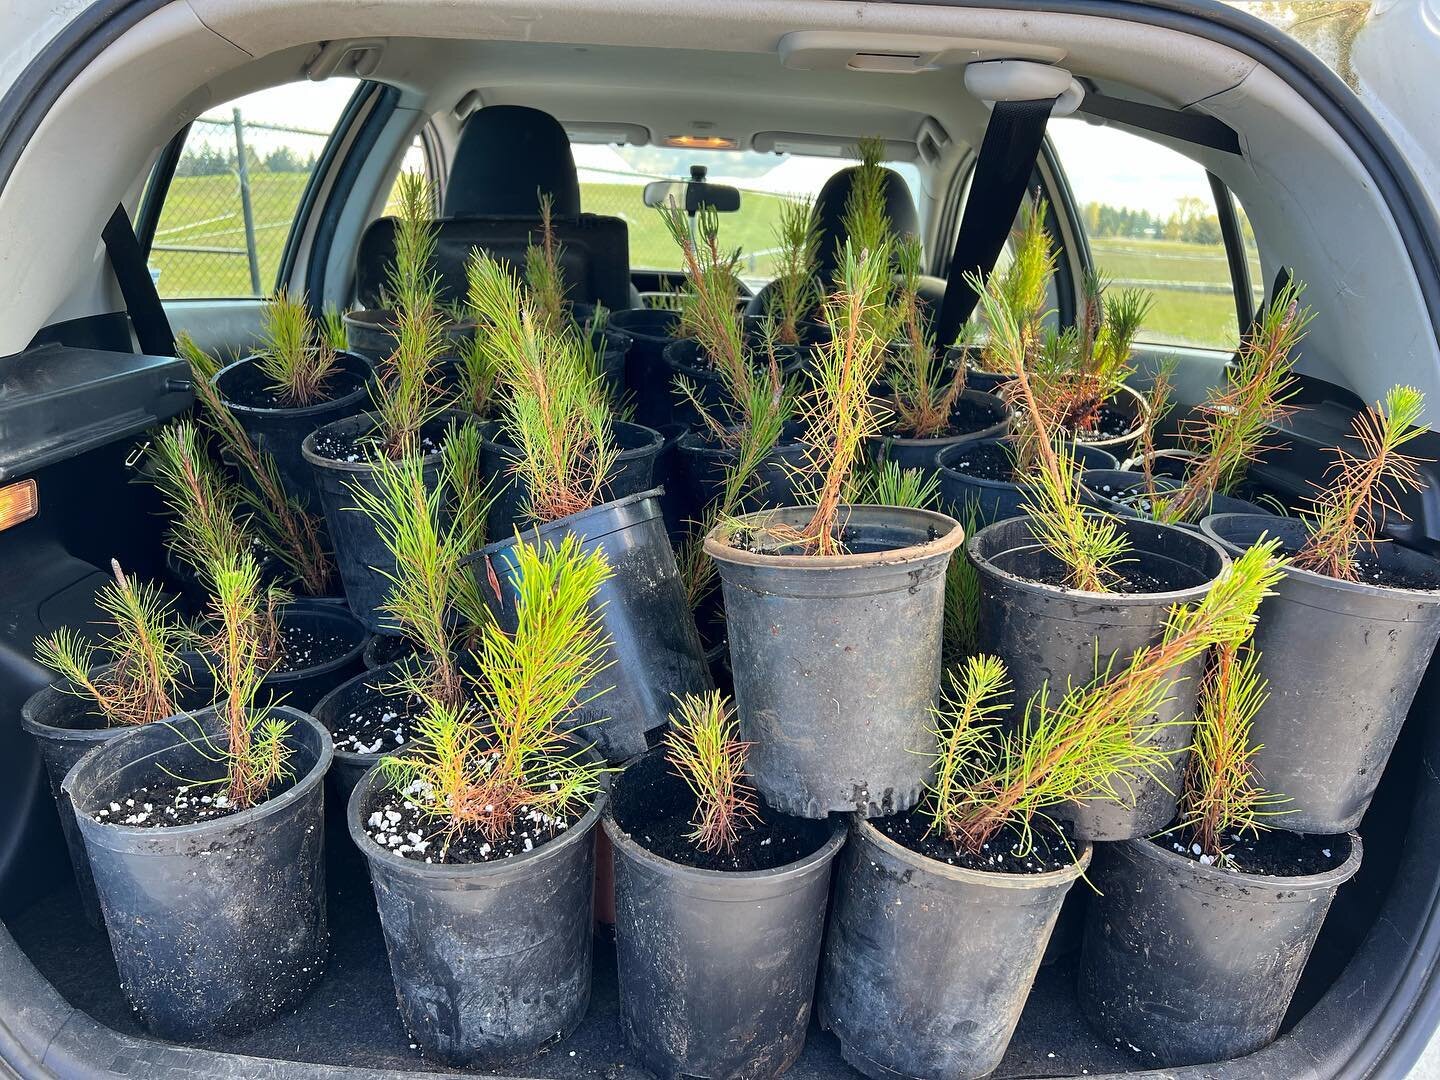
[[633, 471], [280, 432], [911, 453], [927, 965], [66, 729], [1343, 660], [717, 969], [837, 658], [1050, 634], [1192, 963], [360, 552], [218, 926], [963, 494], [654, 650], [491, 961], [650, 330], [302, 687]]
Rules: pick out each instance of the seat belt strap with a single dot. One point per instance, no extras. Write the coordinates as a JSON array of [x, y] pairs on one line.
[[142, 299], [1007, 158]]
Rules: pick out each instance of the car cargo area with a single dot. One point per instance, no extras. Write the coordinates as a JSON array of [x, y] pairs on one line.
[[604, 538]]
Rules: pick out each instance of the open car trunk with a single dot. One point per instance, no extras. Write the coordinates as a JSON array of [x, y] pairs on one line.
[[1366, 1005]]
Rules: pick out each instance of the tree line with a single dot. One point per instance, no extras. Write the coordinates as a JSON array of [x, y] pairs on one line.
[[206, 160], [1193, 221]]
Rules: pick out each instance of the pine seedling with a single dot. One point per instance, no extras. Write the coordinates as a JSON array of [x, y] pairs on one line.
[[543, 274], [887, 484], [431, 596], [1089, 545], [868, 228], [478, 376], [1234, 421], [704, 748], [332, 328], [411, 283], [962, 600], [507, 749], [1021, 289], [794, 291], [974, 703], [1362, 488], [553, 413], [295, 355], [1222, 795], [405, 396], [142, 647], [923, 395], [1162, 389], [289, 530], [209, 529], [1096, 739], [255, 753]]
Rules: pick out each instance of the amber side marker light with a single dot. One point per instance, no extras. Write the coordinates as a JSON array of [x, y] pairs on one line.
[[18, 502]]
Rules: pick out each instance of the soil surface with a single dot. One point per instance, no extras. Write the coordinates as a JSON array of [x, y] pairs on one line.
[[389, 647], [249, 387], [161, 806], [662, 825], [985, 461], [1007, 852], [1110, 423], [378, 723], [1128, 579], [966, 418], [304, 647], [353, 449], [1271, 853], [403, 823]]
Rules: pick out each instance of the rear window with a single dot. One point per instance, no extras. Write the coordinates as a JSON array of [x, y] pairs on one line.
[[613, 179]]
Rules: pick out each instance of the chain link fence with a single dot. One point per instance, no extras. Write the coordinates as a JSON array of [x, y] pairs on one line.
[[230, 205]]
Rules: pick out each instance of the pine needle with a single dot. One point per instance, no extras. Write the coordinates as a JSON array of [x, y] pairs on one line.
[[295, 355], [704, 747]]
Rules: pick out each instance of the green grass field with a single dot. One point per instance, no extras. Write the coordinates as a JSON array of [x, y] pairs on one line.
[[204, 212]]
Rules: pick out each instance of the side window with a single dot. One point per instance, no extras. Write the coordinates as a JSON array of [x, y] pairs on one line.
[[414, 161], [1151, 221], [237, 185]]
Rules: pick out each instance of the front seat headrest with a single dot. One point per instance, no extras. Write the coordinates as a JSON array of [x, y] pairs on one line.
[[830, 214], [507, 155]]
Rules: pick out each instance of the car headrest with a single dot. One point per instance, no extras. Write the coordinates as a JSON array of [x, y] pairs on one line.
[[507, 155], [830, 214]]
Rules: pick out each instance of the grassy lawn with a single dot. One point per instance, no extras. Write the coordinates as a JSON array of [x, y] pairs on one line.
[[204, 211]]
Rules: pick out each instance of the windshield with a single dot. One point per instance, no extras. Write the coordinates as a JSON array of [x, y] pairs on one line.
[[613, 179]]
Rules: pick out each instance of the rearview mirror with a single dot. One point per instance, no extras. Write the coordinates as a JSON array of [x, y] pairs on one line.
[[692, 195]]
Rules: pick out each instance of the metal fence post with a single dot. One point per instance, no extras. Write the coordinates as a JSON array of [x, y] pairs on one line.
[[242, 166]]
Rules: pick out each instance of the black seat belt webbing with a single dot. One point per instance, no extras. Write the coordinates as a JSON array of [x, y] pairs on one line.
[[142, 300], [1007, 158]]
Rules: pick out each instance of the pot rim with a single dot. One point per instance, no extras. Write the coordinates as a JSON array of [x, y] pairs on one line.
[[308, 451], [1359, 588], [1175, 862], [985, 434], [670, 356], [653, 444], [296, 791], [722, 550], [963, 874], [365, 678], [498, 868], [985, 482], [674, 317], [41, 730], [1142, 412], [778, 875], [327, 612], [538, 533], [320, 407], [1119, 599]]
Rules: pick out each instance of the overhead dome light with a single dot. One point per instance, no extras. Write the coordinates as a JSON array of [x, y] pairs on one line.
[[700, 142]]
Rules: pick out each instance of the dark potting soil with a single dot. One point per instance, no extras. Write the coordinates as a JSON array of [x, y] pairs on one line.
[[248, 386], [1127, 580], [1270, 853], [965, 418], [379, 724], [1371, 571], [1109, 423], [301, 648], [391, 647], [401, 822], [985, 461], [162, 806], [775, 839], [354, 449], [1049, 847]]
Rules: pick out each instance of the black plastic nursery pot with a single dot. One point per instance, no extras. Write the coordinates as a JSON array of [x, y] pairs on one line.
[[654, 652], [280, 432], [66, 728], [633, 471], [836, 658], [302, 686], [717, 968], [1325, 734], [1190, 963], [336, 707], [704, 461], [683, 358], [1048, 633], [927, 966], [360, 552], [966, 494], [383, 648], [985, 415], [220, 925], [370, 333], [491, 960], [1128, 405], [650, 330], [1123, 493]]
